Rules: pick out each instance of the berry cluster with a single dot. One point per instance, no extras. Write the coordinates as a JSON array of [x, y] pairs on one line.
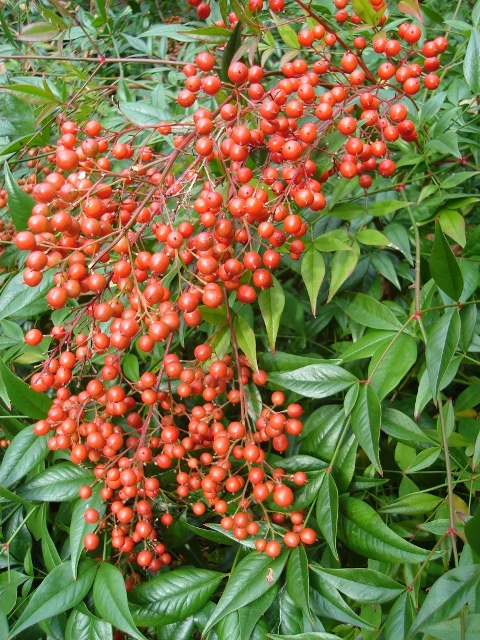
[[152, 229]]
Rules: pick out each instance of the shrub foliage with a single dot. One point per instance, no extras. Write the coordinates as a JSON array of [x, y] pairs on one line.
[[238, 320]]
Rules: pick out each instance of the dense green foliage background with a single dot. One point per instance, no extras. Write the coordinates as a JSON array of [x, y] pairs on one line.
[[386, 292]]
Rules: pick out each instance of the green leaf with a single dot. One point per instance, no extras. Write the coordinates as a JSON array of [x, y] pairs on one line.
[[326, 601], [444, 266], [110, 600], [424, 393], [438, 527], [245, 622], [467, 627], [271, 302], [58, 592], [13, 497], [391, 362], [472, 528], [282, 361], [470, 396], [297, 581], [50, 554], [454, 179], [442, 342], [79, 527], [362, 585], [182, 630], [212, 34], [369, 312], [373, 238], [130, 367], [246, 339], [413, 504], [289, 615], [400, 618], [446, 597], [422, 460], [307, 494], [56, 484], [9, 36], [232, 46], [428, 111], [9, 583], [398, 236], [24, 452], [366, 12], [452, 224], [343, 265], [173, 31], [4, 394], [321, 431], [253, 576], [468, 317], [362, 530], [476, 13], [446, 143], [249, 616], [12, 331], [200, 531], [288, 35], [173, 596], [20, 204], [315, 380], [345, 210], [370, 343], [38, 95], [385, 207], [350, 399], [327, 511], [313, 272], [32, 403], [336, 240], [84, 626], [38, 32], [143, 113], [17, 300], [386, 267], [366, 420], [229, 627], [51, 16], [471, 64], [309, 635]]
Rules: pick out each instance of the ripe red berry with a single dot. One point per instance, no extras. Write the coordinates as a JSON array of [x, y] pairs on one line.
[[33, 337], [237, 72]]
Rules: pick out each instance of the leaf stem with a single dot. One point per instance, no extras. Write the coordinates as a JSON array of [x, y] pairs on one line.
[[241, 388], [6, 545], [448, 468], [389, 346], [418, 281], [96, 59]]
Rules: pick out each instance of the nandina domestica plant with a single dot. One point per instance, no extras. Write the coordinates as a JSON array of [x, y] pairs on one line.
[[238, 313]]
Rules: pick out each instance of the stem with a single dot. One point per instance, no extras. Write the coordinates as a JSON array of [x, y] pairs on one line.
[[448, 468], [148, 417], [241, 387], [426, 561], [6, 544], [418, 280], [171, 160], [390, 344], [96, 59]]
